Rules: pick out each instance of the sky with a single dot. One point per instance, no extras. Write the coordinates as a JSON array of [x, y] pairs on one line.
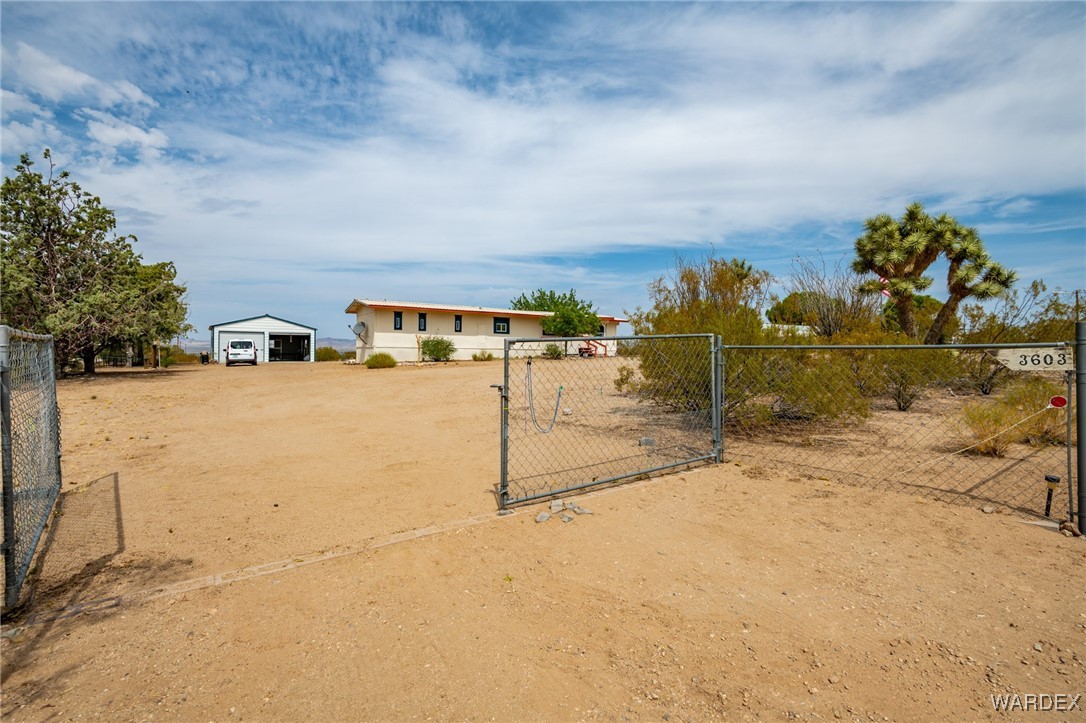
[[289, 157]]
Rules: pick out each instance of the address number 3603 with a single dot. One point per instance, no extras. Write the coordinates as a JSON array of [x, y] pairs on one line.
[[1041, 360]]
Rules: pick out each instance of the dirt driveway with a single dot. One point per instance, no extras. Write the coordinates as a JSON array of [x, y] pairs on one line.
[[319, 542]]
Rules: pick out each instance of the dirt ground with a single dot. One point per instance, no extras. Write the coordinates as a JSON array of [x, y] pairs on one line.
[[320, 542]]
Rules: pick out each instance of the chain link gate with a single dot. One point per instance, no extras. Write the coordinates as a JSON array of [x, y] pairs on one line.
[[580, 412], [31, 449]]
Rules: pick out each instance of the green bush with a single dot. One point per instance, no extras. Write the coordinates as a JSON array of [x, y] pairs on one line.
[[625, 380], [910, 373], [327, 353], [553, 351], [381, 360], [818, 387], [482, 356], [436, 348]]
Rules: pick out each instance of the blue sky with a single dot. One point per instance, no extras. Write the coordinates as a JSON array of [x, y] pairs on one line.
[[290, 157]]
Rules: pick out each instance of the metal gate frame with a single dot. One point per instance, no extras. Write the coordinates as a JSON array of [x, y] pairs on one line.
[[19, 545], [1076, 388], [715, 455]]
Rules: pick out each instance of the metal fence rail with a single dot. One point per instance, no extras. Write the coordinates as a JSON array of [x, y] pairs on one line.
[[907, 418], [31, 449], [581, 412]]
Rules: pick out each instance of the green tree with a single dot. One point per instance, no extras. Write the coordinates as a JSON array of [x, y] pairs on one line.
[[792, 309], [901, 251], [571, 316], [66, 273]]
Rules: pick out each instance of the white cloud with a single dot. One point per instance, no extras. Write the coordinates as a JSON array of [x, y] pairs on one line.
[[45, 76], [17, 103], [110, 133], [29, 137]]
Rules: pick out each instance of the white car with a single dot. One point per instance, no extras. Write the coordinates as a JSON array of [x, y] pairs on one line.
[[240, 351]]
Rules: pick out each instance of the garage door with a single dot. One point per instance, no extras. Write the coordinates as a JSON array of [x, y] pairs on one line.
[[257, 337]]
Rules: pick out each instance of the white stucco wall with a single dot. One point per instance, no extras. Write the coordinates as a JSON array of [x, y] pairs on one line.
[[476, 335]]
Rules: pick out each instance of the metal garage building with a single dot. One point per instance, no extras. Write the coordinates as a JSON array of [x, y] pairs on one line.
[[276, 339]]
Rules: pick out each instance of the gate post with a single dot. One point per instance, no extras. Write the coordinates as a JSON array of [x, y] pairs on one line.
[[1080, 392], [503, 489], [717, 357]]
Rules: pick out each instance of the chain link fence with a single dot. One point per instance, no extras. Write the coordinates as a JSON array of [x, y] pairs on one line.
[[912, 419], [579, 412], [951, 423], [31, 449]]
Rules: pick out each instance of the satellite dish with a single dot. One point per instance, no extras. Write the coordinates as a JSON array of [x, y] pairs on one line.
[[359, 329]]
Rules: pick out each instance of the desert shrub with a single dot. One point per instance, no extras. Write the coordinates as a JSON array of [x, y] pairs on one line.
[[553, 351], [820, 387], [908, 373], [624, 381], [482, 356], [1030, 395], [381, 360], [712, 296], [1019, 416], [1018, 315], [176, 355], [990, 424], [327, 353], [437, 348], [905, 376]]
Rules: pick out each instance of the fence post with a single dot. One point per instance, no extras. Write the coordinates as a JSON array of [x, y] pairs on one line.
[[10, 591], [717, 356], [1080, 392], [503, 489]]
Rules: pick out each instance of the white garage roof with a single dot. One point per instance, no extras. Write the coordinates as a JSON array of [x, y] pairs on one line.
[[266, 322]]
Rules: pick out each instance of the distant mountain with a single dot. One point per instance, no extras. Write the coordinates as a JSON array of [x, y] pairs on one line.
[[337, 344], [195, 346]]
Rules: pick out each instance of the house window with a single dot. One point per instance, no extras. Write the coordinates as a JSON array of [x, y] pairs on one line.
[[458, 323], [422, 321], [397, 320], [501, 324], [603, 331]]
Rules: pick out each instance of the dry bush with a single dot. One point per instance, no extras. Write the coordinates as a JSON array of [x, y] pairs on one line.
[[1019, 416], [1030, 395], [989, 423]]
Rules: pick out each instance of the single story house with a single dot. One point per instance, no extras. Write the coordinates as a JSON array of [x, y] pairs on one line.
[[398, 328], [275, 339]]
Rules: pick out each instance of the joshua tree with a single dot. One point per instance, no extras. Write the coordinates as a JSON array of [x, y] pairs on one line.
[[900, 252], [972, 274]]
